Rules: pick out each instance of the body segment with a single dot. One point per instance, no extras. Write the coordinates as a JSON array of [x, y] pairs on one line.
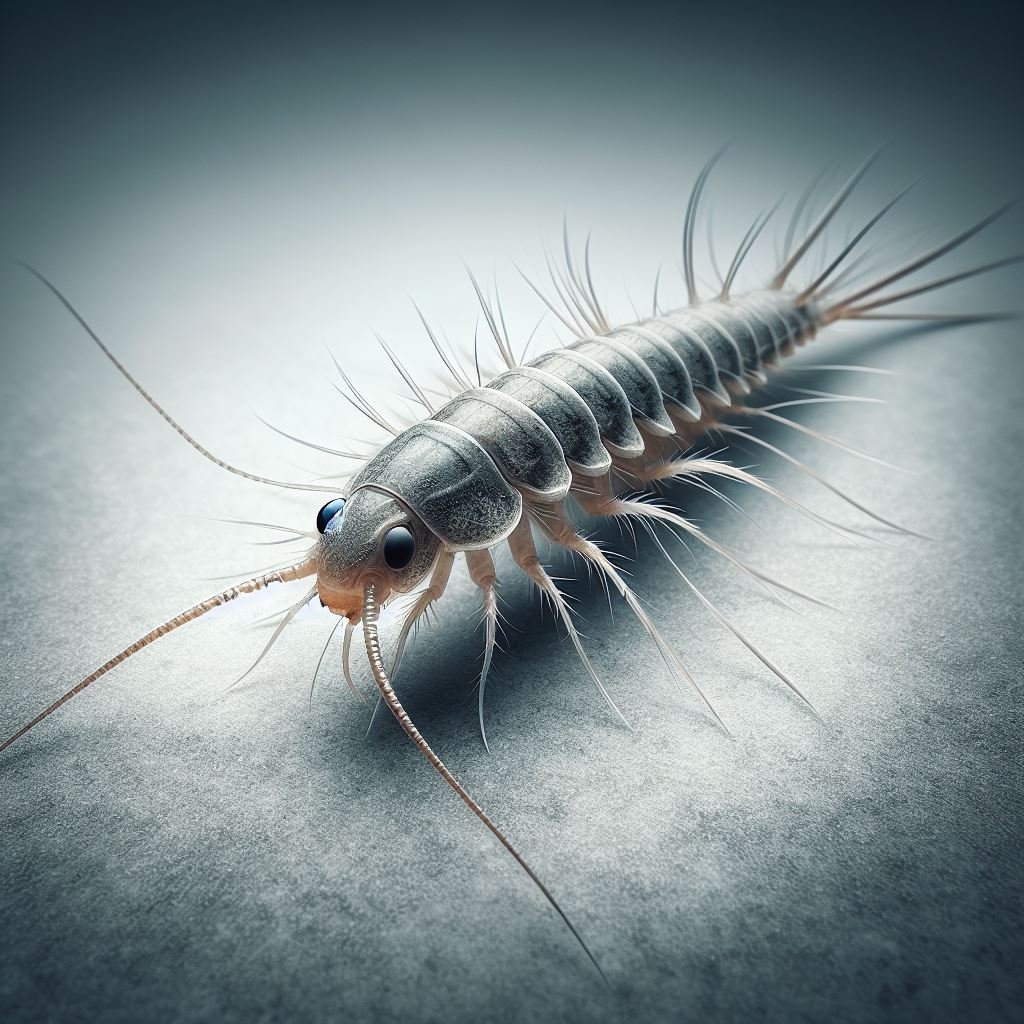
[[574, 410], [497, 462]]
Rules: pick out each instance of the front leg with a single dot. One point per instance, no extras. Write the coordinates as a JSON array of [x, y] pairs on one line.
[[436, 587]]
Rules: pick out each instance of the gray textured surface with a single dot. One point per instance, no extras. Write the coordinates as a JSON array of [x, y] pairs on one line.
[[172, 853]]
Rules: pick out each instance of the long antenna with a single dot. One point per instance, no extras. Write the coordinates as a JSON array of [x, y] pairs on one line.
[[292, 572], [370, 615], [166, 416]]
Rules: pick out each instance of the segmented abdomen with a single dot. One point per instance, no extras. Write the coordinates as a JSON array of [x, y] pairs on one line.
[[654, 378], [570, 411]]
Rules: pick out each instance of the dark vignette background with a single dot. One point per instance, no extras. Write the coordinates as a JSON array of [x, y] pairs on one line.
[[223, 188]]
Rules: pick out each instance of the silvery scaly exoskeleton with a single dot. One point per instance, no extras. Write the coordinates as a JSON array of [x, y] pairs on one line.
[[620, 406]]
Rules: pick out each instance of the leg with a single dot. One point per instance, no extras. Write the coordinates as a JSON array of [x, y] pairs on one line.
[[617, 508], [524, 552], [436, 587], [481, 572], [554, 522]]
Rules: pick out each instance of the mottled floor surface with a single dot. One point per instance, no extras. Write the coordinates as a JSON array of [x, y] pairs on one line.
[[221, 197], [173, 854]]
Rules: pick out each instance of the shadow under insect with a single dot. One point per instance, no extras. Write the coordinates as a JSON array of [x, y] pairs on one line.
[[439, 677]]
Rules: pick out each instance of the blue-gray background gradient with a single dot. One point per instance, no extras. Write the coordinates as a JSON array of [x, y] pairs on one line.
[[225, 191]]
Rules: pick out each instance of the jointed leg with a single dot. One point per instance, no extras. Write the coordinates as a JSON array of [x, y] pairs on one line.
[[696, 468], [436, 587], [555, 524], [481, 572], [524, 551], [624, 509]]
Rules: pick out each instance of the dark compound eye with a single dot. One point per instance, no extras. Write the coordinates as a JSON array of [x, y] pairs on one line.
[[399, 547], [328, 512]]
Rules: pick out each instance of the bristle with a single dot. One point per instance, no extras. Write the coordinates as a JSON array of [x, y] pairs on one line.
[[823, 221]]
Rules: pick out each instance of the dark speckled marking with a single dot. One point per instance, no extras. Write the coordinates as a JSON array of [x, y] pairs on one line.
[[516, 438], [449, 481], [732, 322], [634, 377], [696, 356], [664, 362], [565, 413], [723, 348], [602, 392]]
